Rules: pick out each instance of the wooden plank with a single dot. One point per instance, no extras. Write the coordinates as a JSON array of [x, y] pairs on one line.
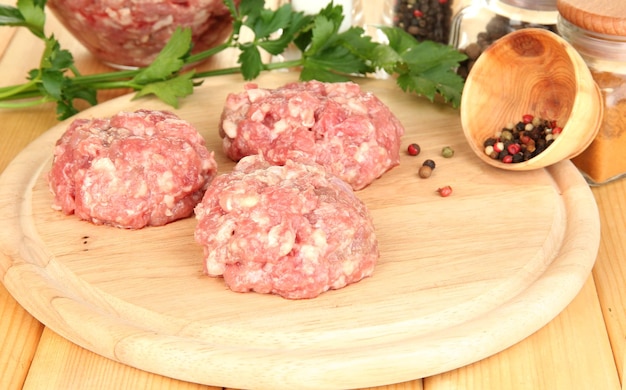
[[19, 336], [610, 269], [60, 364]]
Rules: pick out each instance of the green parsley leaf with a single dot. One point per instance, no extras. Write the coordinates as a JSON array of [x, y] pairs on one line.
[[11, 16], [34, 15], [169, 91], [170, 60], [251, 62], [323, 31], [296, 24], [267, 22]]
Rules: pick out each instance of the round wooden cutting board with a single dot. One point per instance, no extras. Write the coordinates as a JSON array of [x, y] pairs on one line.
[[459, 278]]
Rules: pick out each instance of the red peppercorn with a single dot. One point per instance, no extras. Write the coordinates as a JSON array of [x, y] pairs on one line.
[[443, 1], [445, 191], [417, 13], [527, 118], [413, 150], [557, 130], [507, 159], [513, 148]]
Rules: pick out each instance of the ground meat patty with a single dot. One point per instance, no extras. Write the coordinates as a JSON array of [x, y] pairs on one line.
[[145, 168], [293, 230], [348, 131]]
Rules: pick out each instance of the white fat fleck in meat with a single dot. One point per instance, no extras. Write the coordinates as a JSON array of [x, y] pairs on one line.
[[121, 16], [259, 115], [281, 238], [230, 128], [163, 22], [165, 181], [362, 152], [318, 122], [230, 201], [294, 239], [280, 126], [255, 94]]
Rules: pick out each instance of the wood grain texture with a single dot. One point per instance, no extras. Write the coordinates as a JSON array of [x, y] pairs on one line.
[[459, 279], [601, 16]]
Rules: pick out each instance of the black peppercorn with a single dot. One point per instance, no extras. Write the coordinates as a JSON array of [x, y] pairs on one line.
[[429, 163]]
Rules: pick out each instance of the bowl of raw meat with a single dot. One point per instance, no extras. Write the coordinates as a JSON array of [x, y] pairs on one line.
[[130, 34]]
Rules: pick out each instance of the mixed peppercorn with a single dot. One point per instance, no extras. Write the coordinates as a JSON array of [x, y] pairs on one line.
[[427, 167], [523, 140]]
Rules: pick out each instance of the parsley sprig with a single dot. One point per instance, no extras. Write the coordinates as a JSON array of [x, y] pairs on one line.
[[324, 53]]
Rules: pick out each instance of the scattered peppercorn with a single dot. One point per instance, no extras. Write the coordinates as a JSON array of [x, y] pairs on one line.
[[425, 171], [447, 152], [522, 141], [445, 191], [413, 149]]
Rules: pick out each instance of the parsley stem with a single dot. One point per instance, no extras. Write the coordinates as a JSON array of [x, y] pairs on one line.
[[13, 90], [208, 53], [105, 77], [283, 65], [24, 104]]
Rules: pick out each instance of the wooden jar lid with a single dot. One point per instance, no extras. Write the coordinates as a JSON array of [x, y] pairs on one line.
[[600, 16]]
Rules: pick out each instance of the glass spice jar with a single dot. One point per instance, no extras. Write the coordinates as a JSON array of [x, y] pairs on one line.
[[598, 33], [475, 27], [423, 19]]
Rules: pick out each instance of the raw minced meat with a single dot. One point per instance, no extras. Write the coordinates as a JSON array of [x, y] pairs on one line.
[[135, 169], [337, 125], [292, 230]]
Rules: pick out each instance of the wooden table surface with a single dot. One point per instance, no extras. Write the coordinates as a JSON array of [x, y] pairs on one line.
[[582, 348]]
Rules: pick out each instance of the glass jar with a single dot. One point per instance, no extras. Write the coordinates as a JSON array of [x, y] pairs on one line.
[[423, 19], [478, 25], [130, 34], [599, 35]]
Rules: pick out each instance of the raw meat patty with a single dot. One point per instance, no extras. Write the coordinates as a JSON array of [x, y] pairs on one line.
[[293, 230], [145, 168], [348, 131]]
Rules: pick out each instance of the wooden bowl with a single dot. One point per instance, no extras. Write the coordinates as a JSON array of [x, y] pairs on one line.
[[531, 71]]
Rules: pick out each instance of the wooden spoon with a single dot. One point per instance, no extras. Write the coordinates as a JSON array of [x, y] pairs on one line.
[[531, 71]]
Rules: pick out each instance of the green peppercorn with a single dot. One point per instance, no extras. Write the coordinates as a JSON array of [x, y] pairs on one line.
[[506, 135], [447, 152]]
